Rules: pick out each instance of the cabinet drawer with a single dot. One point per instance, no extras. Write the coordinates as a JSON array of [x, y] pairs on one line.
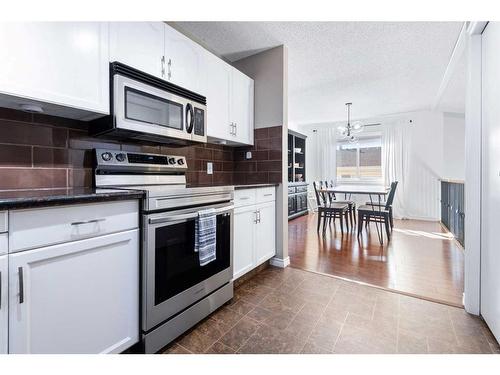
[[266, 194], [244, 197], [4, 221], [4, 243], [45, 226]]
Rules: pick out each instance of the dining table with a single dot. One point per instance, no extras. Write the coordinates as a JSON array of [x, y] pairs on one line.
[[376, 194]]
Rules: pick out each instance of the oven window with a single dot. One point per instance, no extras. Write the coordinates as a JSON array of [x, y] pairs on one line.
[[177, 266], [144, 107]]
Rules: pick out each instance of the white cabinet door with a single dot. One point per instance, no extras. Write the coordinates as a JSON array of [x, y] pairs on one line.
[[4, 307], [242, 106], [64, 63], [243, 243], [139, 45], [78, 297], [265, 233], [182, 59], [216, 76]]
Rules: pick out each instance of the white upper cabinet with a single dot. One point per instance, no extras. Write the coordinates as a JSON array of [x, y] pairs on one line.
[[138, 44], [217, 79], [242, 107], [182, 60], [4, 322], [60, 63], [230, 96]]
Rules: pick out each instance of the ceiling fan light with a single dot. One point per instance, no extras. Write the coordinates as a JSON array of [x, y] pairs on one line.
[[357, 127]]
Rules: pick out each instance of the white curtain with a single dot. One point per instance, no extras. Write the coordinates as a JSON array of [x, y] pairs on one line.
[[326, 155], [396, 143]]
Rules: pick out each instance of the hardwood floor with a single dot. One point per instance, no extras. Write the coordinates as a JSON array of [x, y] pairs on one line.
[[421, 259]]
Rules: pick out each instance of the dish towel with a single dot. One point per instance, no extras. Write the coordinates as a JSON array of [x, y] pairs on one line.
[[205, 241]]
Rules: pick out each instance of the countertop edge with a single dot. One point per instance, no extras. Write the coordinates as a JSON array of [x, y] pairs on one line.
[[253, 186], [60, 200]]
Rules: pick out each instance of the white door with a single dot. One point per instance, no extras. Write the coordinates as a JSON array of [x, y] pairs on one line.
[[490, 253], [77, 297], [265, 233], [242, 106], [138, 44], [4, 307], [64, 63], [243, 245], [182, 58], [216, 79]]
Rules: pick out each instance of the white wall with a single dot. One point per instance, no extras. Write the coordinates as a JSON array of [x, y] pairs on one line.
[[490, 196], [267, 69], [427, 158], [454, 146]]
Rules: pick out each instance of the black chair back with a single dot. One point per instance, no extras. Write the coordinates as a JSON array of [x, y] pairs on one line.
[[332, 194], [392, 193], [316, 193]]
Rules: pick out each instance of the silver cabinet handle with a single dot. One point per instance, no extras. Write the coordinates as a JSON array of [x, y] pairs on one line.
[[244, 198], [268, 195], [231, 128], [256, 217], [21, 284], [169, 69], [163, 66], [87, 221], [235, 128]]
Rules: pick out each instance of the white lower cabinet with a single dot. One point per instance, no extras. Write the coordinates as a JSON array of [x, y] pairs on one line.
[[254, 231], [75, 297], [243, 248], [4, 307], [265, 239]]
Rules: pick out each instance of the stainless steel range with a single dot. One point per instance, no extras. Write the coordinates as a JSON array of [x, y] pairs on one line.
[[176, 291]]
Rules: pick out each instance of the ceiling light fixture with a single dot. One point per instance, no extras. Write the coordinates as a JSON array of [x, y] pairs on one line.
[[349, 130]]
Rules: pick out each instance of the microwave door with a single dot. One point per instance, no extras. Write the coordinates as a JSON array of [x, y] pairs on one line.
[[146, 109]]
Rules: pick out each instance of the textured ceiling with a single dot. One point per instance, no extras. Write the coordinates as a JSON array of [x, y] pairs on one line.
[[382, 67]]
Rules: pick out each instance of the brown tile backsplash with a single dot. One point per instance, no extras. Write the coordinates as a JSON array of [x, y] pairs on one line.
[[266, 163], [41, 151]]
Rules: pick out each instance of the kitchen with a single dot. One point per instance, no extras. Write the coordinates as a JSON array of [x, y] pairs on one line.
[[98, 198]]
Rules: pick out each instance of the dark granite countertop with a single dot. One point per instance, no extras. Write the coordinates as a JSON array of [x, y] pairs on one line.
[[11, 200], [253, 186]]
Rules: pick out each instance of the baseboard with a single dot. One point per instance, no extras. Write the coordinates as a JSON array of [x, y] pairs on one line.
[[278, 262]]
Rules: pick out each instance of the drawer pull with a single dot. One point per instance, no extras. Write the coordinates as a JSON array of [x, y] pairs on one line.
[[268, 195], [21, 284], [244, 198], [88, 221]]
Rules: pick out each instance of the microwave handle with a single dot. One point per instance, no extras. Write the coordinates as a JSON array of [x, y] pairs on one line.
[[190, 112], [191, 215]]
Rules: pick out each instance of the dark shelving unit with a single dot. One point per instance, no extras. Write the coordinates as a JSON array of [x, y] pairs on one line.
[[297, 187], [453, 208]]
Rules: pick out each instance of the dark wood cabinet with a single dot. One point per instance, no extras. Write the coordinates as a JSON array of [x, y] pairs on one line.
[[453, 208], [297, 187]]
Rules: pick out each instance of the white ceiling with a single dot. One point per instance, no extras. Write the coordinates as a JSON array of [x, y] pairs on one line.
[[382, 67]]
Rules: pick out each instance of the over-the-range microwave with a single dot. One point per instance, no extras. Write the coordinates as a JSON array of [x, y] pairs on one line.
[[144, 107]]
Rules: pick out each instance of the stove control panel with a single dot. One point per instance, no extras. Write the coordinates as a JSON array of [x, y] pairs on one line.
[[135, 159]]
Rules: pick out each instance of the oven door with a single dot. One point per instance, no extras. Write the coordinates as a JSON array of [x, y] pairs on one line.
[[142, 108], [172, 276]]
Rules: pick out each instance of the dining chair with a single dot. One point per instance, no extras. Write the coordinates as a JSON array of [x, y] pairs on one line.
[[350, 203], [390, 197], [328, 211], [378, 213]]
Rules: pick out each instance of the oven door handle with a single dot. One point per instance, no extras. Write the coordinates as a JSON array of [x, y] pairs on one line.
[[193, 215]]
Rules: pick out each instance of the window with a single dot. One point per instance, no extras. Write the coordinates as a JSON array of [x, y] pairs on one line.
[[361, 160]]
